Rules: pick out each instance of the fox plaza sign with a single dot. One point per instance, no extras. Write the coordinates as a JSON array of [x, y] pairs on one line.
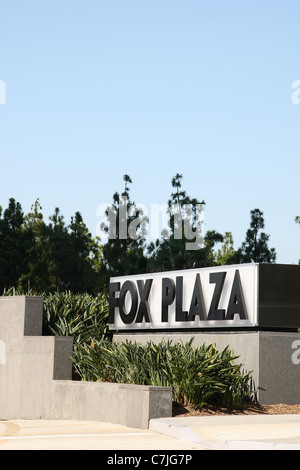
[[218, 297]]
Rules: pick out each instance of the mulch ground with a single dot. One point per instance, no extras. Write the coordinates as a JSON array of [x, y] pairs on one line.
[[246, 409]]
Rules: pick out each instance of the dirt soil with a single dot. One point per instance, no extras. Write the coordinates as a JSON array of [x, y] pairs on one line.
[[246, 409]]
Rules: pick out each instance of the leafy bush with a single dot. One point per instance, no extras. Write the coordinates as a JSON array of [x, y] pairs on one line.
[[198, 376], [82, 316]]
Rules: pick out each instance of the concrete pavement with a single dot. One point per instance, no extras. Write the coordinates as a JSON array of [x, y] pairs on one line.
[[239, 432], [83, 435]]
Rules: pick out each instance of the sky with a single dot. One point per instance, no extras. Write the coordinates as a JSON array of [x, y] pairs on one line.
[[94, 90]]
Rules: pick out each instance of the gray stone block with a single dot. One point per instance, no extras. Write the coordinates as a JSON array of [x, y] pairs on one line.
[[36, 373]]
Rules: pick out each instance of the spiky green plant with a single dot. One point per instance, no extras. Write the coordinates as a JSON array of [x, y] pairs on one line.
[[82, 316], [197, 376]]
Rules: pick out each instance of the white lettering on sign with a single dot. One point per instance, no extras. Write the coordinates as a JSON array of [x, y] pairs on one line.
[[2, 353], [202, 298]]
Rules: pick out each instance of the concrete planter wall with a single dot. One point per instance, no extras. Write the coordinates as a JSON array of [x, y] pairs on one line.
[[36, 376]]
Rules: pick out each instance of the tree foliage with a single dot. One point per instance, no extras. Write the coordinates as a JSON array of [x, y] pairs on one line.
[[226, 254], [255, 247], [171, 253], [45, 256], [123, 253]]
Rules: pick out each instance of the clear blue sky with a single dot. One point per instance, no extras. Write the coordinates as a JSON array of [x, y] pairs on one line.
[[98, 89]]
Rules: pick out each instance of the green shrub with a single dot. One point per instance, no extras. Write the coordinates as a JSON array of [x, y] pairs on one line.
[[198, 376], [82, 316]]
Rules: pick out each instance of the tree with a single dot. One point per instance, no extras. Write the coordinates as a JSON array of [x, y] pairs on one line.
[[124, 252], [74, 255], [226, 254], [15, 244], [38, 277], [59, 252], [44, 258], [186, 246], [255, 247], [84, 259]]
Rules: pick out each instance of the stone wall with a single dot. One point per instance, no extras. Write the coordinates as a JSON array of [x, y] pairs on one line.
[[36, 376]]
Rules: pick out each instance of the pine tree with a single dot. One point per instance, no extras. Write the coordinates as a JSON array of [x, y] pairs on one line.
[[255, 247], [124, 251], [15, 245], [173, 252]]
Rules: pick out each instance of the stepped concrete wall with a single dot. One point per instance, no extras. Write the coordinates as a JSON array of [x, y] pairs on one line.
[[36, 376]]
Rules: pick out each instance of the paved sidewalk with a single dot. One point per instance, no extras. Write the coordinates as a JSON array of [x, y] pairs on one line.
[[269, 432], [249, 432], [84, 435]]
